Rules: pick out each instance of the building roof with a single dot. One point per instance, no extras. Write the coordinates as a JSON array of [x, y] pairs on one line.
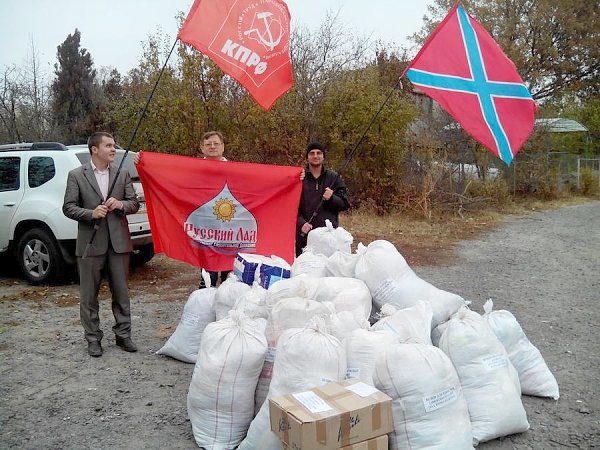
[[560, 125]]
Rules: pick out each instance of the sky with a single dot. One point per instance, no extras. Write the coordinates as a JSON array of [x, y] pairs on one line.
[[113, 30]]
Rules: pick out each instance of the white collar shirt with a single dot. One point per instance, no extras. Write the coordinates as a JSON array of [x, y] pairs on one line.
[[102, 179]]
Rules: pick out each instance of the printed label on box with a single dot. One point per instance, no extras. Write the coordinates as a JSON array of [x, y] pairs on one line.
[[312, 402], [362, 389]]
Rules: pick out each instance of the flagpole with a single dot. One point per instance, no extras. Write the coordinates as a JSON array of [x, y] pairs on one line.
[[137, 126], [348, 158], [350, 155]]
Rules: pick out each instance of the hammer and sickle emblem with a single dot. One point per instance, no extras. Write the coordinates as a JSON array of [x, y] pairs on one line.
[[270, 26]]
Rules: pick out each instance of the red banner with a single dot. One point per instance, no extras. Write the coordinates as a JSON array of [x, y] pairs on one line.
[[248, 40], [204, 212], [462, 68]]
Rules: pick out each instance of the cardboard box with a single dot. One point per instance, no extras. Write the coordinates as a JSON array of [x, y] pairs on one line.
[[379, 443], [332, 416], [245, 265], [265, 270], [269, 275]]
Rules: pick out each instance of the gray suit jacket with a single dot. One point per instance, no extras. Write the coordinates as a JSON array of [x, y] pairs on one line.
[[83, 195]]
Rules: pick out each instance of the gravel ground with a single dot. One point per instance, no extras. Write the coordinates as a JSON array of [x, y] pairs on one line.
[[542, 267]]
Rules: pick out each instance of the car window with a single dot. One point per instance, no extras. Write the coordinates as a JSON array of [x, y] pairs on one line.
[[9, 173], [40, 170], [84, 157]]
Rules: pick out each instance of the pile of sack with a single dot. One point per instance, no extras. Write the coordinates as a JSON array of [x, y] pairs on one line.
[[336, 314]]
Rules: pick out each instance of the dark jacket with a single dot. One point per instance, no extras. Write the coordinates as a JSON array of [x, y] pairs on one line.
[[312, 193]]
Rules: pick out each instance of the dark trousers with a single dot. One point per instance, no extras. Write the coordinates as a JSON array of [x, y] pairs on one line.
[[300, 243], [115, 266], [214, 277]]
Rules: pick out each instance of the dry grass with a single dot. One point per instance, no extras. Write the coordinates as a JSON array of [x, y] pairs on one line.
[[432, 242], [421, 241]]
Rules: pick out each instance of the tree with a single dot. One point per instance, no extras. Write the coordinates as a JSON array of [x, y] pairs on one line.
[[10, 94], [75, 93], [24, 102], [555, 44], [36, 98]]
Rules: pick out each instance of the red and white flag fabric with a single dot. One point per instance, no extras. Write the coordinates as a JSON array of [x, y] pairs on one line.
[[462, 68], [248, 39], [204, 212]]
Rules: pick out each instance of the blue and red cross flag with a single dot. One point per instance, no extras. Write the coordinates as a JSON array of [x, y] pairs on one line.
[[462, 68], [248, 39]]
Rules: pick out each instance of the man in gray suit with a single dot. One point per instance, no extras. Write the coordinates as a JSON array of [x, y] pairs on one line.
[[86, 202]]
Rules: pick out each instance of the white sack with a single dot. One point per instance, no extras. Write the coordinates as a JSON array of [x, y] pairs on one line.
[[429, 409], [342, 324], [306, 358], [346, 294], [288, 313], [342, 264], [252, 303], [220, 399], [309, 263], [198, 312], [301, 286], [534, 374], [266, 374], [227, 294], [362, 348], [327, 240], [489, 380], [391, 280], [412, 324], [296, 313]]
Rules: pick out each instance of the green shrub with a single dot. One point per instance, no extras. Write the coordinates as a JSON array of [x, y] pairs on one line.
[[588, 183], [497, 191]]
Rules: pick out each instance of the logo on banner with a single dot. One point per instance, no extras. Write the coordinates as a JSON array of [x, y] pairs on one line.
[[223, 224], [262, 34], [266, 29]]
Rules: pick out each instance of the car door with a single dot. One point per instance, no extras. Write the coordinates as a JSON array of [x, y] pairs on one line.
[[11, 192]]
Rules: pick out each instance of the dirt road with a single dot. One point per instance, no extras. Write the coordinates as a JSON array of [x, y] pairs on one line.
[[542, 267]]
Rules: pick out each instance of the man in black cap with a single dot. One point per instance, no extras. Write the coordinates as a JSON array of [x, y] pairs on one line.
[[323, 196]]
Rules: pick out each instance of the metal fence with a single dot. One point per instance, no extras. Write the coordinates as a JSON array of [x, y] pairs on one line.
[[588, 163]]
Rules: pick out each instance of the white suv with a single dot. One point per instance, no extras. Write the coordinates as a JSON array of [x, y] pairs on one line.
[[33, 228]]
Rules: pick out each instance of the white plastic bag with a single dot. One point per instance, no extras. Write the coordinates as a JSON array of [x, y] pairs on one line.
[[362, 348], [220, 399], [227, 294], [198, 312], [534, 375], [342, 264], [429, 409], [309, 263], [412, 324], [391, 280], [346, 294], [490, 382], [327, 240], [306, 358]]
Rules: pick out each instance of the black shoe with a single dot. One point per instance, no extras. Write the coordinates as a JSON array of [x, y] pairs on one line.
[[126, 344], [94, 349]]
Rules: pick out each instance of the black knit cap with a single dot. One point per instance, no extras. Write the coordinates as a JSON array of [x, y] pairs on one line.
[[314, 146]]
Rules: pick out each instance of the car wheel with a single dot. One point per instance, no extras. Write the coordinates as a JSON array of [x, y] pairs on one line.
[[39, 257], [141, 255]]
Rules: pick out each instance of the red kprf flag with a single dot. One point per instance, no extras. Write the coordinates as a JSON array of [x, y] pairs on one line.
[[248, 39], [467, 73], [203, 212]]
